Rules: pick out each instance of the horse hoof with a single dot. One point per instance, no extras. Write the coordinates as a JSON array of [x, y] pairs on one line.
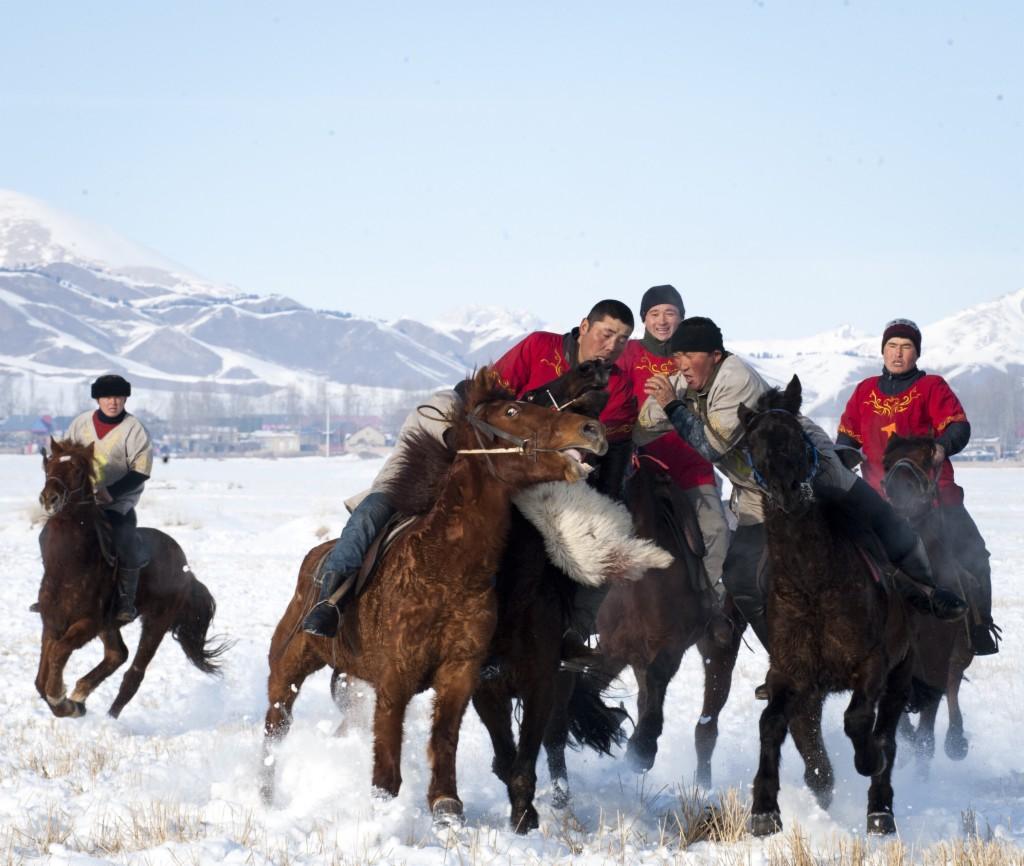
[[702, 779], [528, 820], [561, 796], [956, 747], [77, 709], [640, 760], [766, 823], [881, 823], [447, 812]]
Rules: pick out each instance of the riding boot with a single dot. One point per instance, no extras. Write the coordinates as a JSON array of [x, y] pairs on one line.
[[344, 561], [127, 584], [905, 550], [969, 549], [920, 590]]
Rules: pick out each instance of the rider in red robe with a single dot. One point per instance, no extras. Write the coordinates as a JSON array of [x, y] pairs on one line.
[[906, 401]]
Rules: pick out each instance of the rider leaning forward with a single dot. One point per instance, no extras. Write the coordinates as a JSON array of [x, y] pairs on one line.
[[906, 401], [700, 402], [536, 360], [122, 463]]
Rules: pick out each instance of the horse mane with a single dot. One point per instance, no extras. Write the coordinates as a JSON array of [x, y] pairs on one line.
[[424, 465]]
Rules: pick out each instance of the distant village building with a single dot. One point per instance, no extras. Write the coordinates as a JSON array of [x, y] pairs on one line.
[[982, 448], [280, 443]]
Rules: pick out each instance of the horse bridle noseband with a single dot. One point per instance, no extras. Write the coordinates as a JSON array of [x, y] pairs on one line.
[[66, 494], [927, 484]]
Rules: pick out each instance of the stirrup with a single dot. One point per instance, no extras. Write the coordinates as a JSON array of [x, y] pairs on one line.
[[318, 624]]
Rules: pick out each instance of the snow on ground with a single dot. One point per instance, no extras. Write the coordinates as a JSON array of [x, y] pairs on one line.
[[174, 780]]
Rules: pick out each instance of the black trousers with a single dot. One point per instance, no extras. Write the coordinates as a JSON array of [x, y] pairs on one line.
[[970, 551], [739, 574], [127, 544]]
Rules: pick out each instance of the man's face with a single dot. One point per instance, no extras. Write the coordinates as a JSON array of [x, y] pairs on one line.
[[605, 339], [899, 355], [111, 406], [696, 367], [662, 320]]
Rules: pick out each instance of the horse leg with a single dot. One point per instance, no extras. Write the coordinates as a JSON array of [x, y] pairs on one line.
[[556, 736], [653, 682], [764, 816], [538, 700], [57, 654], [288, 671], [924, 742], [149, 641], [388, 720], [718, 667], [859, 719], [805, 726], [494, 707], [890, 708], [454, 684], [115, 653], [956, 743]]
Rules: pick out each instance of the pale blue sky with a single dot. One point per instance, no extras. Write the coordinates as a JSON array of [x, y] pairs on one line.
[[788, 166]]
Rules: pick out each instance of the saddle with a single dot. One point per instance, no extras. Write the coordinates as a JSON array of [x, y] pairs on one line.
[[677, 515], [106, 542]]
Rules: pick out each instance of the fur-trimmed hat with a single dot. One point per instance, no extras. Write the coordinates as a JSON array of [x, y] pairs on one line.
[[111, 385], [661, 295], [697, 334], [904, 328]]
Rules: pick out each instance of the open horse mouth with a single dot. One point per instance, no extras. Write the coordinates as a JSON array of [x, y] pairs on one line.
[[577, 456]]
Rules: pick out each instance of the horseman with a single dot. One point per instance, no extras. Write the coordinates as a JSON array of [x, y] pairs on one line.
[[543, 356], [906, 401], [700, 402], [538, 359], [661, 310], [122, 463]]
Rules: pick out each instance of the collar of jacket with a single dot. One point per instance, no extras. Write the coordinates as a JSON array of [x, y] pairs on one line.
[[571, 348], [892, 384], [652, 344]]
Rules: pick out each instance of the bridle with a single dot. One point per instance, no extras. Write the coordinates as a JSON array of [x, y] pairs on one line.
[[810, 451], [67, 492], [926, 483]]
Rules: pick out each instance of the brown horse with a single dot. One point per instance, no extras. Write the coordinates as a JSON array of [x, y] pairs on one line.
[[943, 648], [651, 623], [534, 604], [77, 593], [427, 617], [831, 626]]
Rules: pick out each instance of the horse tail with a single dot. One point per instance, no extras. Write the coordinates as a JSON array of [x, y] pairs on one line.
[[592, 722], [190, 629], [922, 695]]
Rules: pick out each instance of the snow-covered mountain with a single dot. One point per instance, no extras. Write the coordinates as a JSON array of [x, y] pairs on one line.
[[77, 300]]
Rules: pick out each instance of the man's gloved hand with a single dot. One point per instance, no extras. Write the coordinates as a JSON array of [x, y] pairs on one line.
[[939, 455], [103, 496]]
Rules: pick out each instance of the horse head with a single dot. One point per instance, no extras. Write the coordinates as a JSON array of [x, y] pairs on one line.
[[520, 441], [584, 389], [781, 457], [69, 475], [911, 476]]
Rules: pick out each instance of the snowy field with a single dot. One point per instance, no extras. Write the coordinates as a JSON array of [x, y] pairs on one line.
[[174, 780]]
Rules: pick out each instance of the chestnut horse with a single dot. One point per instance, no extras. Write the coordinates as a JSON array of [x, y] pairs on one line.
[[427, 618], [76, 597], [943, 648], [831, 625]]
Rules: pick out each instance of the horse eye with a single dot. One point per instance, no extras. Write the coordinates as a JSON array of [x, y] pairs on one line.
[[511, 412]]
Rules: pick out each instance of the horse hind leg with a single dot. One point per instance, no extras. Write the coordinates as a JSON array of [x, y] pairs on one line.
[[718, 667], [115, 654], [556, 737], [494, 707], [153, 632], [956, 744], [522, 784]]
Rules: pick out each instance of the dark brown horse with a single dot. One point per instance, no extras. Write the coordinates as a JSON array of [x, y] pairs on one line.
[[76, 596], [534, 603], [943, 648], [831, 626], [427, 618]]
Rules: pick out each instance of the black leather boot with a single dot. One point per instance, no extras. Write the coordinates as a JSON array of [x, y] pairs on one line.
[[923, 593], [127, 584], [324, 619]]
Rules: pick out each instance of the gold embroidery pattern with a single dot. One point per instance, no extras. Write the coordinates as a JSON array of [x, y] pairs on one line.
[[649, 366], [952, 419], [556, 365], [844, 429], [891, 406]]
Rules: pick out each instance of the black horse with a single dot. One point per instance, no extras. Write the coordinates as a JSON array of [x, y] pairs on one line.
[[831, 625], [943, 649]]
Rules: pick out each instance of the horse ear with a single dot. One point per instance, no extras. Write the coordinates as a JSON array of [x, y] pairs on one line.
[[744, 414], [793, 395], [54, 446]]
